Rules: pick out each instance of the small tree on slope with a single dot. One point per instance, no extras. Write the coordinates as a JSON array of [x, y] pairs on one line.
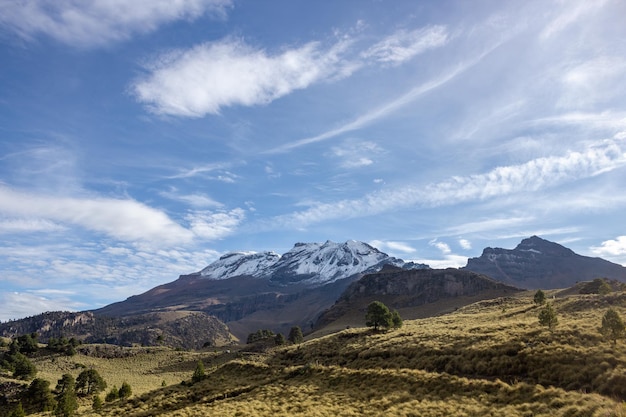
[[547, 317], [378, 315], [612, 325]]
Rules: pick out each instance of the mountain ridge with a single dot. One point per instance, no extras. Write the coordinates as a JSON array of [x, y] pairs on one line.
[[539, 263]]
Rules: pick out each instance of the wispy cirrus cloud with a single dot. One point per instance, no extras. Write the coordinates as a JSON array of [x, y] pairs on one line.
[[404, 45], [534, 175], [99, 22], [393, 246]]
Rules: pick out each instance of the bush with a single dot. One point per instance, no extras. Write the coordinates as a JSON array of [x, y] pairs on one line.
[[539, 298], [125, 390], [396, 320], [96, 405], [112, 395], [261, 334]]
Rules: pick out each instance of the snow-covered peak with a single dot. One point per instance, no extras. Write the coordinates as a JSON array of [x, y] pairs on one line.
[[234, 264], [307, 263]]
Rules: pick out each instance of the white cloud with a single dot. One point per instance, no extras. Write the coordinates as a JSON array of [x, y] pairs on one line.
[[465, 244], [448, 261], [204, 79], [22, 304], [387, 245], [534, 175], [574, 12], [355, 154], [195, 199], [22, 225], [612, 247], [404, 45], [210, 225], [443, 247], [126, 220], [99, 22]]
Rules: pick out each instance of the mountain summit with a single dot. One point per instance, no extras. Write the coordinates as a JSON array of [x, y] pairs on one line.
[[311, 264], [539, 263]]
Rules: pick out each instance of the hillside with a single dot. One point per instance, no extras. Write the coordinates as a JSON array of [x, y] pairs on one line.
[[415, 293], [490, 358], [539, 263]]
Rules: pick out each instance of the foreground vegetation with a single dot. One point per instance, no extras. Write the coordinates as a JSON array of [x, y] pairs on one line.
[[492, 358]]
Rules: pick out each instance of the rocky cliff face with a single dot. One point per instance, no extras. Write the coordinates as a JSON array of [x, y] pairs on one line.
[[401, 289], [539, 263], [177, 329]]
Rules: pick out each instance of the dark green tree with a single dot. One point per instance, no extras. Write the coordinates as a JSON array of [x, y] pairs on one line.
[[396, 320], [125, 390], [199, 374], [378, 315], [295, 335], [38, 397], [20, 365], [67, 403], [112, 395], [89, 382], [548, 318], [261, 334], [539, 298], [612, 325], [280, 340]]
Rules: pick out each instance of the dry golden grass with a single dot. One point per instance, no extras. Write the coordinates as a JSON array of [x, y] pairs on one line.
[[491, 358]]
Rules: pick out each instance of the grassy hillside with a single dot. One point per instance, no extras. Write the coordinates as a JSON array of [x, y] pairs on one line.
[[491, 358]]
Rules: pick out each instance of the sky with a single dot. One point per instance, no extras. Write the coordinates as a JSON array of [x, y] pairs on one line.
[[142, 140]]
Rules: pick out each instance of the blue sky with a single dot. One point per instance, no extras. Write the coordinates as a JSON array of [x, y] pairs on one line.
[[141, 140]]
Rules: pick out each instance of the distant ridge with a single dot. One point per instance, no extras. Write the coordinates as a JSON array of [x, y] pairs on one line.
[[539, 263]]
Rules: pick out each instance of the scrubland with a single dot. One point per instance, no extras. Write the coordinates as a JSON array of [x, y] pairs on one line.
[[491, 358]]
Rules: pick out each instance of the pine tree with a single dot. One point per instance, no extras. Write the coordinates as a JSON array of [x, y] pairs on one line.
[[378, 315], [89, 382], [38, 397], [540, 297], [199, 374], [612, 325], [396, 319], [67, 403], [295, 335], [548, 318]]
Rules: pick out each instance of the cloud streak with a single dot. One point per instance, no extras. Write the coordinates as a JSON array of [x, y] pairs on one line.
[[95, 23], [532, 176]]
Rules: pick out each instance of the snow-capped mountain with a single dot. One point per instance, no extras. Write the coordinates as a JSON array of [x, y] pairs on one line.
[[307, 263]]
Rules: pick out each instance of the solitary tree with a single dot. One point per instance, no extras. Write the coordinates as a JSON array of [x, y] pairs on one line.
[[295, 335], [89, 382], [612, 325], [378, 315], [547, 317], [198, 374], [540, 297]]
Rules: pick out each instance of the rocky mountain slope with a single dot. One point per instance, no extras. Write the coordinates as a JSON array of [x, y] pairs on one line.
[[249, 291], [177, 329], [539, 263], [405, 290]]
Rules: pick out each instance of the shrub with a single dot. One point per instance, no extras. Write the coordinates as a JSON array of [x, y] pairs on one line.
[[96, 405], [396, 320], [280, 339], [112, 395], [125, 390]]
